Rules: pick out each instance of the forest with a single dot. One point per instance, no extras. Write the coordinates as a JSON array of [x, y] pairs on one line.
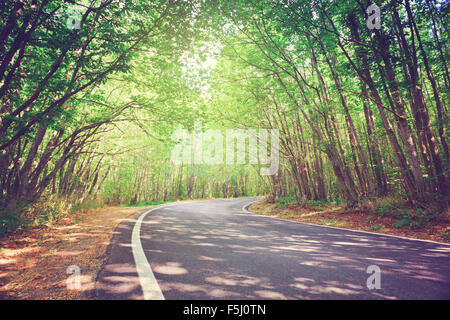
[[92, 92]]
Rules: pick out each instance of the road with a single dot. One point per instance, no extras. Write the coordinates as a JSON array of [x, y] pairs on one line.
[[217, 250]]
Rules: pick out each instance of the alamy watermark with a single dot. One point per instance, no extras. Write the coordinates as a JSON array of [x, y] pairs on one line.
[[73, 282], [210, 146], [374, 17], [373, 281], [73, 21]]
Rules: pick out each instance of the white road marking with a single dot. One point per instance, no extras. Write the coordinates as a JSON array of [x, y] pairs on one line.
[[149, 285], [244, 209]]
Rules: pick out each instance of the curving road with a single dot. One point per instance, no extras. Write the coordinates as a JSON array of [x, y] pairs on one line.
[[217, 250]]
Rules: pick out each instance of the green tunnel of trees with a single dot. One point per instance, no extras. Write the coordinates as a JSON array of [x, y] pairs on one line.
[[91, 92]]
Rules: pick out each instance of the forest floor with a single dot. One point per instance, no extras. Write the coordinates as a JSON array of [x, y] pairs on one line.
[[33, 263], [435, 230]]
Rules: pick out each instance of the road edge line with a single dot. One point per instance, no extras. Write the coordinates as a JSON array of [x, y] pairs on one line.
[[245, 209], [149, 285]]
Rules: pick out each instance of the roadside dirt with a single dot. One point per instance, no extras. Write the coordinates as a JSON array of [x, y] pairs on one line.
[[33, 264], [356, 220]]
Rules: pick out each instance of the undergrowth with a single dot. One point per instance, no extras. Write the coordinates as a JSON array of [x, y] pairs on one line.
[[290, 200], [45, 212], [406, 215]]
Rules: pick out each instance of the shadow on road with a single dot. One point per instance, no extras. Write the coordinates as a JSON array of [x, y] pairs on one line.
[[203, 252]]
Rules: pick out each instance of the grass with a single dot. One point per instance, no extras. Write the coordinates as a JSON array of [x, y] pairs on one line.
[[146, 203], [329, 223], [376, 227], [291, 200]]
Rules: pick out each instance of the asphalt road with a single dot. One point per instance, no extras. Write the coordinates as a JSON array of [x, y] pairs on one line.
[[216, 250]]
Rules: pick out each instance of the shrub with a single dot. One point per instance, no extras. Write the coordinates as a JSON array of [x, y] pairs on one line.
[[317, 204], [376, 227], [385, 208], [445, 234], [367, 206], [415, 219], [145, 203], [286, 201], [48, 210], [10, 220], [88, 204]]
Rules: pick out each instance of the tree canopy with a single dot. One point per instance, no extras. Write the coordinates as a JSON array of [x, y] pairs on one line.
[[92, 91]]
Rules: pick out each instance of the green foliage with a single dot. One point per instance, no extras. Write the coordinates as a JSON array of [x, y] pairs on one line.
[[407, 217], [445, 234], [284, 202], [376, 227], [317, 204], [86, 205], [145, 203], [88, 114], [329, 223], [385, 208], [50, 209], [10, 220], [47, 211], [414, 218], [291, 199]]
